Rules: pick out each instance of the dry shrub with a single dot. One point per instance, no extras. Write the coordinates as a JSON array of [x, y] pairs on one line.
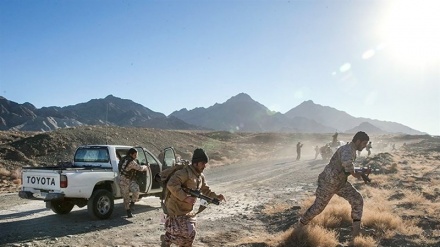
[[365, 241], [311, 236], [413, 197], [376, 198], [381, 220], [393, 168], [337, 211], [433, 210], [4, 172], [410, 228], [17, 181], [17, 174]]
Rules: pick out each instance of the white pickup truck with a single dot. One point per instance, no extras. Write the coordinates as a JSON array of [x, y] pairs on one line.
[[91, 179]]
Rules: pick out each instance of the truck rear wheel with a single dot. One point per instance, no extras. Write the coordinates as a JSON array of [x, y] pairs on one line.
[[61, 207], [100, 204]]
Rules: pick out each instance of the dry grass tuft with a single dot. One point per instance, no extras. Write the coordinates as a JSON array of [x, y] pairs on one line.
[[365, 241], [381, 220], [311, 236], [16, 174], [336, 212], [4, 172]]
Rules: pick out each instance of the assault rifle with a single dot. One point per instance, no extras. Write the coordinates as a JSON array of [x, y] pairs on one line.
[[365, 172], [197, 194]]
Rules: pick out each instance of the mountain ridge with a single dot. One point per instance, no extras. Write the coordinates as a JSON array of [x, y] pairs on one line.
[[238, 113]]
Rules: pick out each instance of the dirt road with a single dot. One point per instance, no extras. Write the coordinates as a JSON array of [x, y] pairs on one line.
[[247, 188]]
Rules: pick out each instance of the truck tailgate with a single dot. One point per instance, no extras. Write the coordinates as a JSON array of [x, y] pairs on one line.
[[41, 179]]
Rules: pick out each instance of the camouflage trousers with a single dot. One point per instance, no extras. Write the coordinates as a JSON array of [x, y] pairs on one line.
[[326, 191], [180, 230], [127, 185]]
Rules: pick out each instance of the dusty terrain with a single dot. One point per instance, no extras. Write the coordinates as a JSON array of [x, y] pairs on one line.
[[264, 185]]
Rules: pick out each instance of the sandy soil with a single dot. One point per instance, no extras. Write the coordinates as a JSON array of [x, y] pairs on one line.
[[253, 172], [247, 187]]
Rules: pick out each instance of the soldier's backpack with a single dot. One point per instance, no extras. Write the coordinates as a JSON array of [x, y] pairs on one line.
[[163, 177], [120, 164]]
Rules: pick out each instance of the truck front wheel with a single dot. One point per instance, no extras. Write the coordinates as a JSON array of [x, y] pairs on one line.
[[61, 207], [101, 204]]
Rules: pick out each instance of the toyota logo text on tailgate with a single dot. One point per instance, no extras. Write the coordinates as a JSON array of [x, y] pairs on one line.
[[41, 180]]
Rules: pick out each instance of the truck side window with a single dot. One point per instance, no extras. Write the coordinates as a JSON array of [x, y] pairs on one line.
[[141, 157], [169, 159]]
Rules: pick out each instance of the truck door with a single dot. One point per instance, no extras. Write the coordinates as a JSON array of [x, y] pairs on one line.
[[169, 158], [144, 179]]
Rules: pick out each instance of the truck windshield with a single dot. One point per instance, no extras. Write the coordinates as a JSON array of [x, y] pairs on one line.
[[92, 155]]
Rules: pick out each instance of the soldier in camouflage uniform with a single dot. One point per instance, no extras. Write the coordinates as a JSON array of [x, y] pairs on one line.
[[368, 148], [180, 224], [333, 180], [127, 180], [298, 150]]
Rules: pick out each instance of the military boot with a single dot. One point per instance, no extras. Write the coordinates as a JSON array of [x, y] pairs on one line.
[[299, 225], [163, 242], [129, 215], [356, 229]]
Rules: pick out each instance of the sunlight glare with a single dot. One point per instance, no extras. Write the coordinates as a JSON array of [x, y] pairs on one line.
[[412, 31], [368, 54]]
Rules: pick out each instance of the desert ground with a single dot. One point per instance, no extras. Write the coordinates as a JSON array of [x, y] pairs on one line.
[[266, 189]]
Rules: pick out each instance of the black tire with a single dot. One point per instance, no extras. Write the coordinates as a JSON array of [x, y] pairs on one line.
[[61, 207], [101, 204]]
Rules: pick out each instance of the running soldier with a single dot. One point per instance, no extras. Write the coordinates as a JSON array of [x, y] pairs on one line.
[[368, 148], [127, 180], [316, 151], [298, 150], [333, 180], [180, 224]]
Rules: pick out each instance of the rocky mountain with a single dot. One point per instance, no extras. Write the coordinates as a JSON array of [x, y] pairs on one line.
[[110, 110], [242, 113], [239, 113], [367, 127], [342, 121]]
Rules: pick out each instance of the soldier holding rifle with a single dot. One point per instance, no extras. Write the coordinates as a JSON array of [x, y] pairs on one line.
[[180, 224], [333, 180]]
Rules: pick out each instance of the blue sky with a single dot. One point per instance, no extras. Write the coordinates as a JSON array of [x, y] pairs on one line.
[[374, 59]]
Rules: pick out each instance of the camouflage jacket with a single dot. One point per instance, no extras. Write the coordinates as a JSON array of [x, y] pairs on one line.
[[340, 165], [189, 178]]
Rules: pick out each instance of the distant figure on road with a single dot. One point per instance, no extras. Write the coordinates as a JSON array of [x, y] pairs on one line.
[[368, 148], [333, 180], [316, 151], [335, 140], [298, 150], [394, 147]]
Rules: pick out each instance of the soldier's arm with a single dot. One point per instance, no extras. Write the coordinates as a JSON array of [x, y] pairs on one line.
[[207, 191], [133, 165], [175, 183], [347, 160]]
